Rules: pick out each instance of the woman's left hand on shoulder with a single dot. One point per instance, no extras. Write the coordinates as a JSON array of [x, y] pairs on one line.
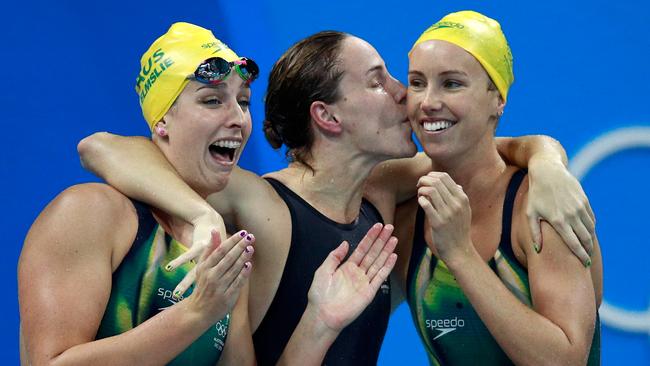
[[557, 197]]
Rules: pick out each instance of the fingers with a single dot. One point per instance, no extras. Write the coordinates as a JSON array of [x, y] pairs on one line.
[[379, 263], [583, 234], [429, 210], [190, 254], [571, 240], [229, 272], [225, 257], [238, 282], [215, 256], [383, 272], [335, 258], [376, 249], [535, 229], [364, 245], [187, 281]]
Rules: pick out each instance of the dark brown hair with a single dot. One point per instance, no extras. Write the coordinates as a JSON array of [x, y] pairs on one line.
[[307, 72]]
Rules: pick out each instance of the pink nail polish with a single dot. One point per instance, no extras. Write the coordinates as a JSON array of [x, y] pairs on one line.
[[249, 249], [247, 265], [249, 237], [242, 234]]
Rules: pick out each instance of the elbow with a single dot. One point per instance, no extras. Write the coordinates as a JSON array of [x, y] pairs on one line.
[[89, 148]]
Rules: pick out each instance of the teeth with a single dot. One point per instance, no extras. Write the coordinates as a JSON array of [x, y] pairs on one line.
[[228, 144], [437, 126]]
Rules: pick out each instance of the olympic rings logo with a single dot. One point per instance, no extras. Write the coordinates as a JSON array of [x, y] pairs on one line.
[[587, 158]]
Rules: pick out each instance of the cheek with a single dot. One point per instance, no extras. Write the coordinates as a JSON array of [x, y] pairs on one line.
[[412, 103]]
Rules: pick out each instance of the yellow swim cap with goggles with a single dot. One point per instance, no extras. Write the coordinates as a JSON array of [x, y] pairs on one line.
[[186, 52], [483, 38]]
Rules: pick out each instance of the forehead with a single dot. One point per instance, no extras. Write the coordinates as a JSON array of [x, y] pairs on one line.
[[441, 56], [233, 84], [358, 57]]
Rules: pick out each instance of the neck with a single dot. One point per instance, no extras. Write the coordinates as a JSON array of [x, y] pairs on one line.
[[477, 170], [335, 186]]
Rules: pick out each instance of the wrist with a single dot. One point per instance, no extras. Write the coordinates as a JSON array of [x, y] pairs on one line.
[[460, 258], [206, 216], [314, 325]]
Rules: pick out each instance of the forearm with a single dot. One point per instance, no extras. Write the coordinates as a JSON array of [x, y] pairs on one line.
[[526, 336], [526, 150], [155, 342], [309, 342], [136, 167]]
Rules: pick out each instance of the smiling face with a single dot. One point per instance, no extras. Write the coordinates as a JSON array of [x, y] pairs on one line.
[[207, 128], [452, 104], [372, 103]]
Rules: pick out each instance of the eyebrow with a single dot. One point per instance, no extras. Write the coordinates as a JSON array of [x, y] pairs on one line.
[[454, 72], [374, 69], [245, 86], [211, 86]]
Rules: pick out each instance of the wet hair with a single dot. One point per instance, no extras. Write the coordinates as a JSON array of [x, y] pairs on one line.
[[309, 71]]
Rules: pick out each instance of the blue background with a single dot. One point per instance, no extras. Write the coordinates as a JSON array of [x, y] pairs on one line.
[[581, 68]]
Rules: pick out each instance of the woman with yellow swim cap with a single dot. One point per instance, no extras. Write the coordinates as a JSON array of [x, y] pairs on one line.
[[95, 285], [479, 291]]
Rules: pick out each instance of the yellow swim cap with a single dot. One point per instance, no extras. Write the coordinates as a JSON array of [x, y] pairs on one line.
[[480, 36], [169, 61]]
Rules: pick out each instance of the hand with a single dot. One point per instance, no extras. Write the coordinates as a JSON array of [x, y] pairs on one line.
[[204, 226], [557, 197], [340, 292], [448, 212], [220, 274]]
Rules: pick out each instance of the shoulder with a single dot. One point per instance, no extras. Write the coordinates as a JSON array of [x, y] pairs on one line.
[[84, 217], [394, 181]]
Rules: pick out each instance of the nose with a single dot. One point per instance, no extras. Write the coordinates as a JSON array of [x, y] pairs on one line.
[[398, 91], [235, 117], [431, 101]]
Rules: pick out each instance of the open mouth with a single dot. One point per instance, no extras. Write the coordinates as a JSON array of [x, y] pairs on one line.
[[224, 151], [437, 126]]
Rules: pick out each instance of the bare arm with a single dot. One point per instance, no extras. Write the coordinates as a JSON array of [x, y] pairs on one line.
[[135, 166], [76, 243], [239, 343], [559, 328], [555, 195]]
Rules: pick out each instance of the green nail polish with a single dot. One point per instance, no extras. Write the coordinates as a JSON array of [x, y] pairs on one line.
[[536, 247], [177, 294], [588, 263], [168, 267]]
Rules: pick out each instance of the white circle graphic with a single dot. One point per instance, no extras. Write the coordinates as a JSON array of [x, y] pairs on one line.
[[580, 164]]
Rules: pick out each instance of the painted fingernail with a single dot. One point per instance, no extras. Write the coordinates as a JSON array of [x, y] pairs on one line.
[[249, 249], [169, 268], [177, 294], [242, 234], [247, 265], [588, 263], [536, 247], [249, 237]]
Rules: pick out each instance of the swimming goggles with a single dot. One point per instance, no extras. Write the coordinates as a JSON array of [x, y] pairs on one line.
[[215, 70]]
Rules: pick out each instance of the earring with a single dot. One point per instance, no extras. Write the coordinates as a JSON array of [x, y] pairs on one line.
[[500, 113], [161, 131]]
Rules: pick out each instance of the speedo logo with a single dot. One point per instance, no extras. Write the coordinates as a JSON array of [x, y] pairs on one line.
[[444, 326], [444, 24], [169, 296]]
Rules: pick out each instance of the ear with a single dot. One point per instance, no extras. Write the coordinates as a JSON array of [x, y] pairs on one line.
[[501, 105], [324, 118], [161, 129]]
